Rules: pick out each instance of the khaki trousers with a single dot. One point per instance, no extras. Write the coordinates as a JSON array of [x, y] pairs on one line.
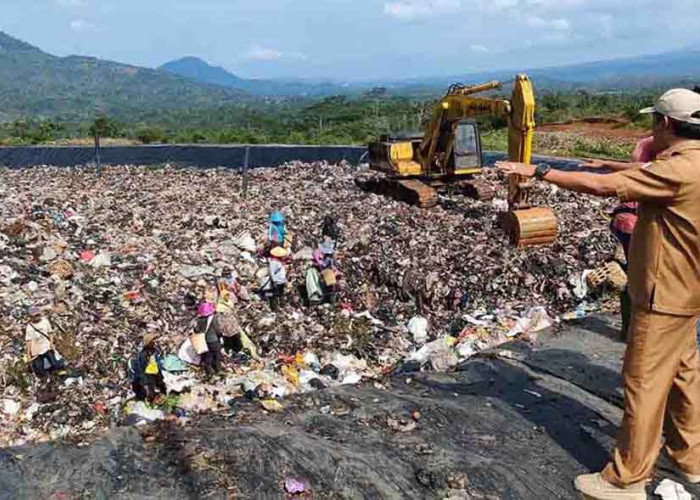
[[661, 373]]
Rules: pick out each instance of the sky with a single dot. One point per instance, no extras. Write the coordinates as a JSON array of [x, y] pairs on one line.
[[351, 40]]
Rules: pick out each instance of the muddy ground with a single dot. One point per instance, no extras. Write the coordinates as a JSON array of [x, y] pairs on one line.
[[518, 422]]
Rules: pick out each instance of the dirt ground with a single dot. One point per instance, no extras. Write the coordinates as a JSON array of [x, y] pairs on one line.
[[518, 422], [599, 128]]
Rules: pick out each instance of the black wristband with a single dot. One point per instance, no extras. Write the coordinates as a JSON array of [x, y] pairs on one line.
[[542, 170]]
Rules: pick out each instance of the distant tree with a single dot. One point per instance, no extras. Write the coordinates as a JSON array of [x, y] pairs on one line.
[[101, 127], [150, 135]]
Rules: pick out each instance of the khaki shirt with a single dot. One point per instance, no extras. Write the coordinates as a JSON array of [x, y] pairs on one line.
[[664, 267]]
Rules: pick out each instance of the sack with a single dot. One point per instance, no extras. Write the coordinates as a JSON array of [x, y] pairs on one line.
[[152, 367], [228, 324], [188, 354], [313, 286], [329, 277], [199, 342]]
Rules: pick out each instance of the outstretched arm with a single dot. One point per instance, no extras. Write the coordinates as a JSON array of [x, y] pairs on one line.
[[582, 182], [615, 166]]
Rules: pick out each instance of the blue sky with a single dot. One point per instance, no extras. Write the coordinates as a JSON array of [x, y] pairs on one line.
[[355, 39]]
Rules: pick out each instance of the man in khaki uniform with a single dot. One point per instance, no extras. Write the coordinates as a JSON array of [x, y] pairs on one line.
[[661, 369]]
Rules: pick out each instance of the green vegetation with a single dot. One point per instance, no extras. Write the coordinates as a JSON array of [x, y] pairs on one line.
[[330, 120], [335, 120]]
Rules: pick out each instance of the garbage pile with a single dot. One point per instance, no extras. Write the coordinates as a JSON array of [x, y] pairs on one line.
[[111, 257]]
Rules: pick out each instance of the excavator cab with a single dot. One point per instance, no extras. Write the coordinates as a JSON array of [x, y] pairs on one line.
[[467, 148]]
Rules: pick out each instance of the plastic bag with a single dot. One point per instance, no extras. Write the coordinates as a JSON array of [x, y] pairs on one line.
[[152, 366]]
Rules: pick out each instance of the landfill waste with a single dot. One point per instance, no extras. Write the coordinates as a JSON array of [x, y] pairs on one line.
[[111, 256], [139, 413], [294, 486], [418, 326], [535, 320], [670, 490], [10, 407]]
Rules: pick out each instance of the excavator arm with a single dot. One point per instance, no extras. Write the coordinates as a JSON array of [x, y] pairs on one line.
[[526, 225]]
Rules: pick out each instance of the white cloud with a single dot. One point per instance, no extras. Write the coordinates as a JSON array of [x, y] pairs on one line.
[[409, 10], [71, 3], [81, 25], [497, 6], [263, 53], [479, 49], [260, 53], [560, 24], [556, 4]]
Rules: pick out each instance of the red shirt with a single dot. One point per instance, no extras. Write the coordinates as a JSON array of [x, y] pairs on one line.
[[625, 214]]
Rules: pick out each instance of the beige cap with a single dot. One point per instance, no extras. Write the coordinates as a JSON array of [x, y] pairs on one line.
[[679, 104]]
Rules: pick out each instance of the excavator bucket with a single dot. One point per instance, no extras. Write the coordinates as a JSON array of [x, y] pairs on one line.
[[532, 226], [527, 226]]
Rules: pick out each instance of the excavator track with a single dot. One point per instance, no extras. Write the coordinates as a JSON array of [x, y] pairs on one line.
[[477, 190], [410, 191]]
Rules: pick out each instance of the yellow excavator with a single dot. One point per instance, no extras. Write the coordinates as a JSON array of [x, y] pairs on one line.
[[449, 154]]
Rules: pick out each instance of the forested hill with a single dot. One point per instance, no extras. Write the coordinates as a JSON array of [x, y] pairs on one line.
[[35, 83]]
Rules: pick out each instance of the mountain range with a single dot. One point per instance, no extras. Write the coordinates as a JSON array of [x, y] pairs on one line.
[[36, 83], [678, 67], [199, 70]]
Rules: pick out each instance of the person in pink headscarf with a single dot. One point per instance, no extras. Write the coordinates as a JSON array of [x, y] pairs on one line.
[[208, 324]]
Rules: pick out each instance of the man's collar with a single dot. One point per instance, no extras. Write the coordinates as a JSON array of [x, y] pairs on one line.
[[678, 148]]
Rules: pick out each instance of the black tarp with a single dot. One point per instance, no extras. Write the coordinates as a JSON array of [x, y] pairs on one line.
[[231, 156], [189, 155]]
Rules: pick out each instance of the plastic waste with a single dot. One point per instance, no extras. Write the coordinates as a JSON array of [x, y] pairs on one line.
[[439, 353], [188, 354], [190, 272], [142, 410], [294, 486], [177, 383], [535, 320], [312, 361], [245, 242], [671, 490], [9, 407], [271, 405], [418, 327], [103, 259], [174, 364], [580, 283]]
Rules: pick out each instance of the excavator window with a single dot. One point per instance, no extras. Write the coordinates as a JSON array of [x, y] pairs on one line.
[[467, 146]]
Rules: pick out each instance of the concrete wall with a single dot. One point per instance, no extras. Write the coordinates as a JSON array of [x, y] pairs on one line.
[[194, 155]]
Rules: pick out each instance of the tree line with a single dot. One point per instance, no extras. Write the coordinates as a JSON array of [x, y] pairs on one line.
[[329, 120]]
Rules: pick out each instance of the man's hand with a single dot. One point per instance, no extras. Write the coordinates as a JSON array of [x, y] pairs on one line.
[[510, 167], [593, 163]]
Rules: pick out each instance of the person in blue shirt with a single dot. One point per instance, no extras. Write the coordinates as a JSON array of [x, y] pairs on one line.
[[146, 371]]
